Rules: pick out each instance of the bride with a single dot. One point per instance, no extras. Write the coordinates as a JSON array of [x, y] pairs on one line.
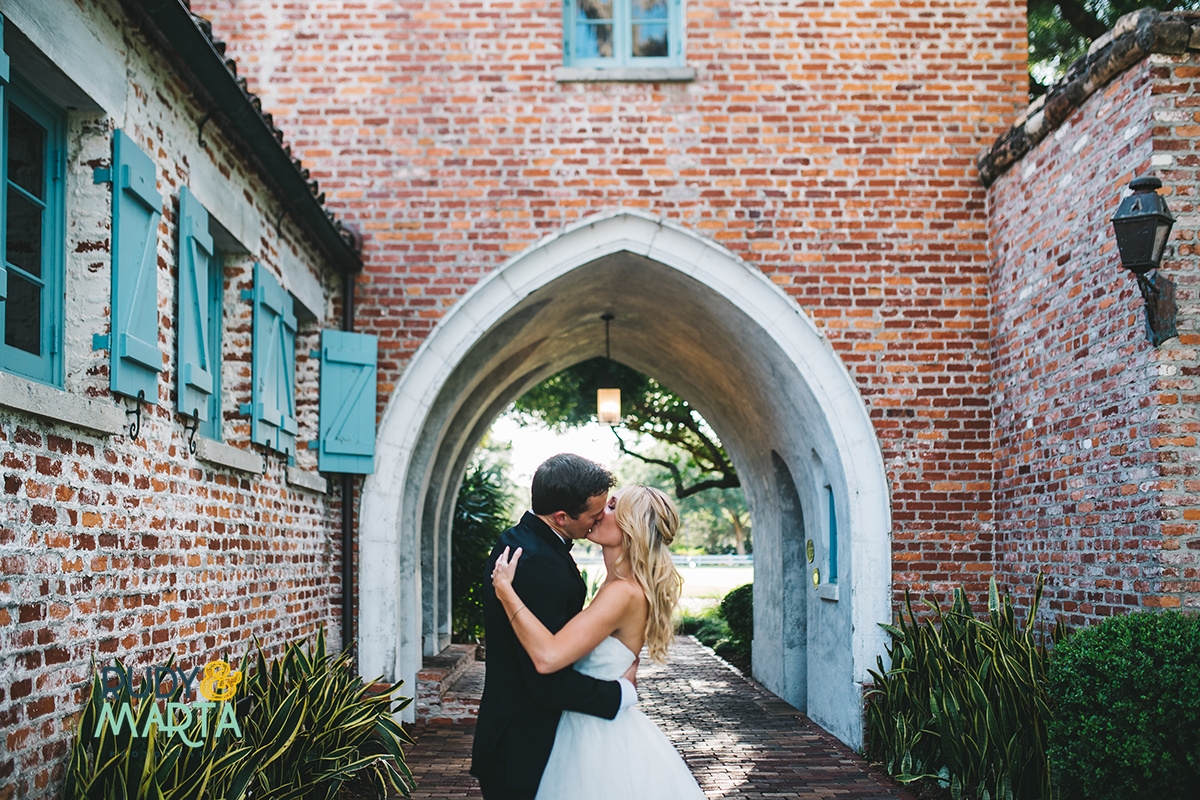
[[627, 757]]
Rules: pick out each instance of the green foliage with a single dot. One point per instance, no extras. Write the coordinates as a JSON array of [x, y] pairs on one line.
[[592, 581], [118, 764], [1127, 700], [309, 725], [481, 514], [335, 726], [568, 399], [714, 521], [727, 628], [737, 608], [686, 458], [965, 700], [709, 627], [1060, 31]]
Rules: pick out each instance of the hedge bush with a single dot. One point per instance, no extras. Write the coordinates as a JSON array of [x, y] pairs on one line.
[[1127, 708], [728, 628], [709, 627], [738, 610]]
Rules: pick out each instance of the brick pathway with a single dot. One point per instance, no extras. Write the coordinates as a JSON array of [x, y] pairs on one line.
[[739, 739]]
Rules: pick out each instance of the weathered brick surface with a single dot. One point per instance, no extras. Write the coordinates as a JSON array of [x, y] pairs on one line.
[[1025, 422], [114, 548], [831, 145], [1175, 97], [1095, 428]]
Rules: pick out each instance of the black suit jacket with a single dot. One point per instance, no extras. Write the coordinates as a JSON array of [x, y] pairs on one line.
[[519, 711]]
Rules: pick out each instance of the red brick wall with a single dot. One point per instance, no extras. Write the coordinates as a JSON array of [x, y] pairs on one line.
[[1096, 479], [830, 145], [115, 548], [1175, 100]]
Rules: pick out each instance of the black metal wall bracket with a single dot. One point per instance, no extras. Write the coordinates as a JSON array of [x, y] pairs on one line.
[[1158, 292], [192, 426], [200, 132], [135, 427]]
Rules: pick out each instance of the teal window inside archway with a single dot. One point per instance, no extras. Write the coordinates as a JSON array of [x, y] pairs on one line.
[[833, 535]]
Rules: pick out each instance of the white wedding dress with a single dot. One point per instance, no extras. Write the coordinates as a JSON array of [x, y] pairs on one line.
[[627, 758]]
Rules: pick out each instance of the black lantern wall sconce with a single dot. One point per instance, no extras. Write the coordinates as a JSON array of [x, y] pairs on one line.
[[1141, 225]]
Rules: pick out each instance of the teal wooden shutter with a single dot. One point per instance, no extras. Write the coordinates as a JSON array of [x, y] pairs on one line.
[[135, 359], [348, 393], [195, 362], [3, 177], [675, 32], [273, 395], [568, 27]]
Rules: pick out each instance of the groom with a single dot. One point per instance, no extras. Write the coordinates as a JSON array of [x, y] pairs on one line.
[[519, 711]]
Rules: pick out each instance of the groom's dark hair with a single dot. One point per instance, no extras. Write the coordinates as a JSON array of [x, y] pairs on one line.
[[566, 482]]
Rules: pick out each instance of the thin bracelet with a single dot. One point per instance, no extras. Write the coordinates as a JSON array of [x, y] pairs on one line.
[[514, 614]]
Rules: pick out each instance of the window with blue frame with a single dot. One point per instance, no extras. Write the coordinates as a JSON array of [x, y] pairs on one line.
[[623, 33], [31, 232]]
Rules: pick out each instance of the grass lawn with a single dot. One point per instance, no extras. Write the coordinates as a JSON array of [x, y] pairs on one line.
[[703, 586], [713, 583]]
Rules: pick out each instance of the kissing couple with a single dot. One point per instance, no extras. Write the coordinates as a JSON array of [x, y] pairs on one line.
[[558, 719]]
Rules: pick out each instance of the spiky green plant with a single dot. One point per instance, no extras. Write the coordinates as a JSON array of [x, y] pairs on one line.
[[309, 725], [964, 702], [345, 730]]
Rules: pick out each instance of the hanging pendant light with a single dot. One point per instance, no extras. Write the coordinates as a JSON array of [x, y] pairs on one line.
[[608, 396]]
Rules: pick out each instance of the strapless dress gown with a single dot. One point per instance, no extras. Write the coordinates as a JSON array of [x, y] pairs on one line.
[[626, 758]]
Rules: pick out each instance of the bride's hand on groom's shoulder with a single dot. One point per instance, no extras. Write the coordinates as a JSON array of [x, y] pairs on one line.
[[502, 574]]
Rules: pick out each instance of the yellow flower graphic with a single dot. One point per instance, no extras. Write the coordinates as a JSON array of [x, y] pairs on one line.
[[220, 681]]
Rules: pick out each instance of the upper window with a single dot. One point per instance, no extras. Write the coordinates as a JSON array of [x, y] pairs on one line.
[[623, 33], [31, 233]]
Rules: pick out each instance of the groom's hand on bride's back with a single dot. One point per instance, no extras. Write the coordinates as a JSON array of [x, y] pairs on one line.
[[631, 673]]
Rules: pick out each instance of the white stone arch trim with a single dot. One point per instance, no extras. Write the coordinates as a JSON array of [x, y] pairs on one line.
[[390, 600]]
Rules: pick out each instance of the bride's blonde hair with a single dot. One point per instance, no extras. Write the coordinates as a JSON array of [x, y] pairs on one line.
[[648, 522]]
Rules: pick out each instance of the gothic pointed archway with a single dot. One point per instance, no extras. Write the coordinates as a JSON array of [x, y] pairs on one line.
[[716, 331]]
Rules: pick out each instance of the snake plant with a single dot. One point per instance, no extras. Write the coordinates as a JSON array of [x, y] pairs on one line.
[[308, 726], [964, 702]]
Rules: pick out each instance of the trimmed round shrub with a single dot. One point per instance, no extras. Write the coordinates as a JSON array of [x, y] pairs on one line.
[[738, 610], [1127, 708]]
